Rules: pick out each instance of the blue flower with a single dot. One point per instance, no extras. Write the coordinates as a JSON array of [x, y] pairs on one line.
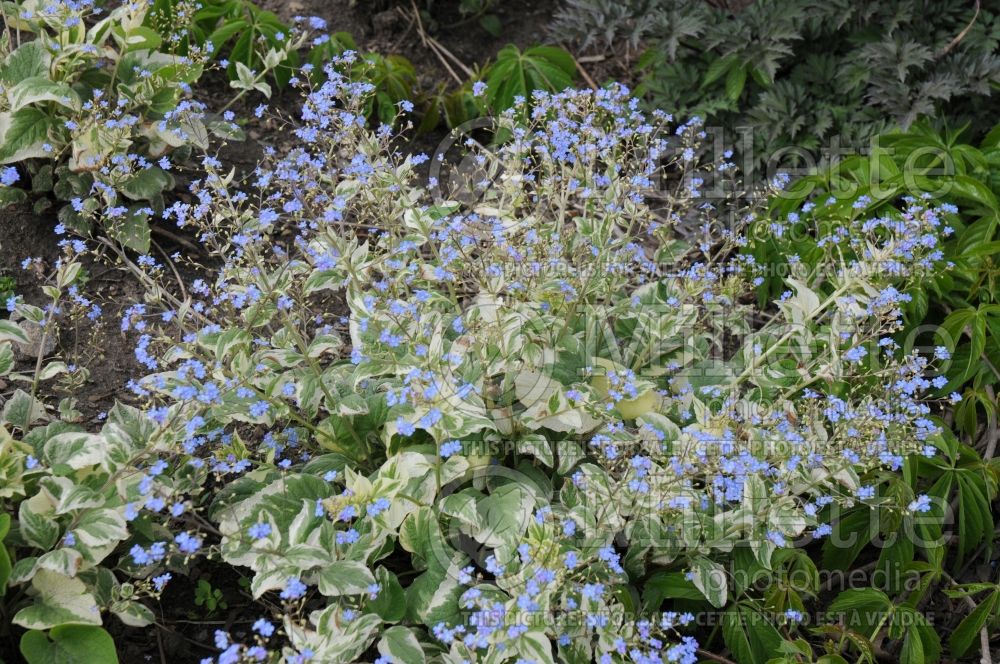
[[855, 354], [451, 448], [405, 428], [294, 588], [139, 555], [921, 504], [160, 581], [187, 544], [259, 530], [263, 627]]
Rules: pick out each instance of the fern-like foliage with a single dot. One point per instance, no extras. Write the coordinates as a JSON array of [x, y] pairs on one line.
[[607, 24], [802, 72]]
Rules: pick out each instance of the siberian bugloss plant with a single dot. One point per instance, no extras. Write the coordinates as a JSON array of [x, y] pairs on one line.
[[94, 105], [511, 425]]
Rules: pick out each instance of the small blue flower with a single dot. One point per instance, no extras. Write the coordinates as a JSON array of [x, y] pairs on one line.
[[160, 581], [921, 504], [259, 530], [263, 627], [294, 588], [9, 176], [451, 448]]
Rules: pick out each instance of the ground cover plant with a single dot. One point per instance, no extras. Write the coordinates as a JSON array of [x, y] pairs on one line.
[[570, 388]]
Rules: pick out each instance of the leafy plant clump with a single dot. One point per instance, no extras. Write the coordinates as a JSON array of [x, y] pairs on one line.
[[94, 104], [534, 425], [801, 75]]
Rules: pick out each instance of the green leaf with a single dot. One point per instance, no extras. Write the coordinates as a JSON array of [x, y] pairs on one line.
[[75, 449], [862, 608], [491, 24], [968, 630], [22, 409], [735, 82], [749, 635], [28, 60], [5, 562], [433, 598], [142, 38], [668, 585], [40, 89], [538, 446], [147, 183], [913, 649], [345, 577], [101, 527], [504, 515], [133, 614], [226, 32], [717, 69], [24, 132], [11, 196], [401, 645], [710, 580], [518, 74], [60, 600], [69, 644], [536, 647], [11, 331], [132, 230], [390, 603]]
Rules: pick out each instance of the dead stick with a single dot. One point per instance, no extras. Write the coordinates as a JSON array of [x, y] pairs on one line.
[[426, 40], [583, 72], [954, 42]]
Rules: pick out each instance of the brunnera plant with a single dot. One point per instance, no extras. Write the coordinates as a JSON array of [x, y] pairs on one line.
[[94, 105], [496, 426]]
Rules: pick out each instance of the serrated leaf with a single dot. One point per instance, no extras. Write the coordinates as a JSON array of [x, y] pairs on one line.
[[968, 630], [749, 635]]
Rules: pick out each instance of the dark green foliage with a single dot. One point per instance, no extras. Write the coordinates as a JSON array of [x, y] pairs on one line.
[[394, 80], [238, 30], [962, 303], [958, 309], [801, 72], [518, 73], [605, 24]]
